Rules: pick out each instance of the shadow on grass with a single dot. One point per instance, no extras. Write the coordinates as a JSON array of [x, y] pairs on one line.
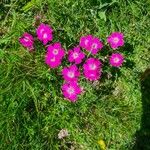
[[143, 135]]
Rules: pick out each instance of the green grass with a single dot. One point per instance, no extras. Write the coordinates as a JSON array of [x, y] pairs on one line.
[[32, 108]]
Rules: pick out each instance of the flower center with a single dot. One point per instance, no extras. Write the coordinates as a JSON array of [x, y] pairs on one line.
[[70, 90], [71, 74], [55, 51], [116, 40], [94, 46], [45, 36], [75, 55], [116, 59], [26, 39], [86, 42], [92, 66]]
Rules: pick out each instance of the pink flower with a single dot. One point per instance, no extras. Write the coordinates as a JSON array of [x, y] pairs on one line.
[[116, 59], [71, 91], [92, 64], [91, 44], [95, 46], [54, 55], [56, 50], [52, 61], [44, 33], [76, 55], [92, 69], [71, 73], [92, 75], [116, 39], [27, 41], [86, 41]]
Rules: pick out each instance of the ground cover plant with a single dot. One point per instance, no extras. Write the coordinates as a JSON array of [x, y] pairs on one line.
[[90, 66], [33, 112]]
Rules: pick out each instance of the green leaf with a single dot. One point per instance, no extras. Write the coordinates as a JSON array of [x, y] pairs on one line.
[[29, 5], [102, 15]]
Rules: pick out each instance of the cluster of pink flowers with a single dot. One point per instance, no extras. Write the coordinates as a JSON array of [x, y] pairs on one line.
[[81, 64], [71, 87], [91, 44]]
